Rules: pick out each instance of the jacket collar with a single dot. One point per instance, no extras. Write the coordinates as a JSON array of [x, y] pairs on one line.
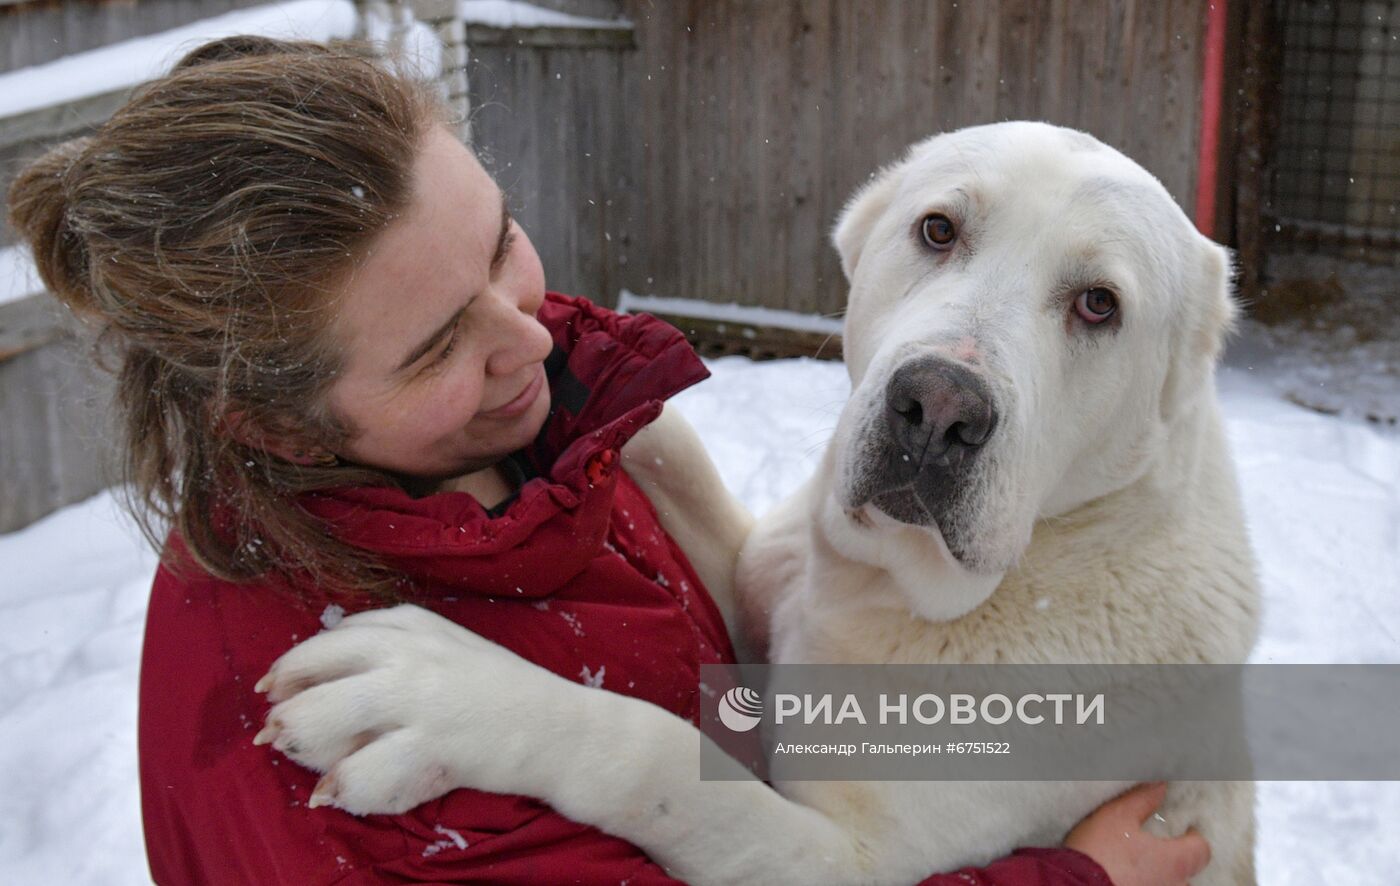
[[608, 375]]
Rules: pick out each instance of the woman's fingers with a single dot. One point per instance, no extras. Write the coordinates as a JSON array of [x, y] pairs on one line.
[[1191, 854], [1114, 836], [1141, 801]]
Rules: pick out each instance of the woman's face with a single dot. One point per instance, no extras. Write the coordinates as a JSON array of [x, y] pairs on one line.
[[444, 359]]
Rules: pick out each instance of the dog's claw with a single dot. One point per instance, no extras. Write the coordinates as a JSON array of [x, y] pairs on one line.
[[323, 794], [267, 734], [263, 684]]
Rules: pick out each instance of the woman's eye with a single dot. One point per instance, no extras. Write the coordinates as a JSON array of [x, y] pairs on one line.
[[1096, 305], [939, 231], [448, 348]]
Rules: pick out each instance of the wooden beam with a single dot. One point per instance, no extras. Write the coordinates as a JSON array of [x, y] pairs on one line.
[[61, 120], [29, 323], [552, 38]]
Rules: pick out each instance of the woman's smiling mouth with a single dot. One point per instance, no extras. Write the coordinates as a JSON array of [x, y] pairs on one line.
[[522, 401]]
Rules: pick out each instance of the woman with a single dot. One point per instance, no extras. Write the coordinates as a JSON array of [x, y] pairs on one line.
[[344, 385]]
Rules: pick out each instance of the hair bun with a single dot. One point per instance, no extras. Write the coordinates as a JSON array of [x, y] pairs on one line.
[[39, 212], [240, 46]]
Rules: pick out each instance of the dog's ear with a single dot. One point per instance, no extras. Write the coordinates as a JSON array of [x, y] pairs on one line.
[[1211, 316], [1222, 311], [859, 216]]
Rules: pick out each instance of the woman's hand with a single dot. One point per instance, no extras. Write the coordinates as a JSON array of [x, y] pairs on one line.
[[1113, 836], [399, 706]]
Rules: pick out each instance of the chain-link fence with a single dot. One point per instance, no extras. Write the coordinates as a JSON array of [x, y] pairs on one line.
[[1336, 181]]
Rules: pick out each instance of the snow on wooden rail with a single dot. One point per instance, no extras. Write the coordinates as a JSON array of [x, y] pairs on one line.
[[740, 315], [125, 64], [518, 14]]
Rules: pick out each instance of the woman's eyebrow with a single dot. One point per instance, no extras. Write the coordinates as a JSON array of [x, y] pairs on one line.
[[428, 343]]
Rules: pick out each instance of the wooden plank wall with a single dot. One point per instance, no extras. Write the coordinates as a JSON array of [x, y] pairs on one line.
[[55, 427], [32, 33], [743, 125], [551, 124], [703, 155]]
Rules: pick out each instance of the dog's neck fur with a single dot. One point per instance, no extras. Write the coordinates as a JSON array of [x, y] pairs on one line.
[[1090, 583]]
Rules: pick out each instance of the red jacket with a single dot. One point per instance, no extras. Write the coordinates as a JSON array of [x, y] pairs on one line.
[[576, 574]]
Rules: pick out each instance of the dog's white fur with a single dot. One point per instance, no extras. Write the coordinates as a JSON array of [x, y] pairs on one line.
[[1103, 526]]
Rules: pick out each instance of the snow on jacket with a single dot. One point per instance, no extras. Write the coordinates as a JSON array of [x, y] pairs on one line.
[[574, 573]]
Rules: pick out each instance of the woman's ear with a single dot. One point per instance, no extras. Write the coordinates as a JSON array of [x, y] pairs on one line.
[[298, 449]]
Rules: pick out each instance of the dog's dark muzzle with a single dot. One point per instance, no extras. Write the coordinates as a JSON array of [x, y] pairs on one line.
[[938, 417]]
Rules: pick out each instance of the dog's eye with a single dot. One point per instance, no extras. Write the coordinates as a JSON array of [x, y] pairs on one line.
[[1096, 305], [938, 230]]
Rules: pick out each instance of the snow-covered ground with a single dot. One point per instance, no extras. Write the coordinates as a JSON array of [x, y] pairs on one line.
[[1322, 493], [1325, 334]]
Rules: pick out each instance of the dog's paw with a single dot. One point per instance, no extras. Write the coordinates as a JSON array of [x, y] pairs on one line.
[[391, 774], [399, 706]]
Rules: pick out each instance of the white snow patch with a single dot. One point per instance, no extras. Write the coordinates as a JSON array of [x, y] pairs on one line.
[[573, 623], [1321, 494], [728, 312], [420, 51], [72, 611], [452, 838], [517, 14], [18, 276], [457, 839], [591, 679], [131, 62]]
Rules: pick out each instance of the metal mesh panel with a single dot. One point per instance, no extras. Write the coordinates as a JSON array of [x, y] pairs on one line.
[[1337, 160]]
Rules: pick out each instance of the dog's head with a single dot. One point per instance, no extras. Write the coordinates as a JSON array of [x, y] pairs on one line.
[[1029, 314]]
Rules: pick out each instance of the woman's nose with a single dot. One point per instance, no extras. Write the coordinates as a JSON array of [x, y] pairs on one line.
[[520, 339]]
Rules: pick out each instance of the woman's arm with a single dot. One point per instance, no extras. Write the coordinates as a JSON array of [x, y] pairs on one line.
[[1031, 867], [1110, 847]]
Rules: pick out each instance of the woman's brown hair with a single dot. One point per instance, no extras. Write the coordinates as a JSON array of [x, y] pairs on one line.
[[204, 230]]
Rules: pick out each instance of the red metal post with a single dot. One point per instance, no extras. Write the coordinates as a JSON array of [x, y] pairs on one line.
[[1212, 88]]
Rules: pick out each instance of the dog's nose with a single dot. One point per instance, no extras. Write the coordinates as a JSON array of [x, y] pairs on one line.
[[938, 409]]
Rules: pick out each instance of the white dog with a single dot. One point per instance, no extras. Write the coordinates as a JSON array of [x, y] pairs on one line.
[[1031, 468]]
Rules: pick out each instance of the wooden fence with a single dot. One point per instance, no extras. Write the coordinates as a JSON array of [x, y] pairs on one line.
[[55, 433], [740, 127], [33, 33], [701, 149], [55, 427]]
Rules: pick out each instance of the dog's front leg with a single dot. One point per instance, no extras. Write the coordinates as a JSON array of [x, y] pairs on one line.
[[399, 706], [645, 786], [670, 464]]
